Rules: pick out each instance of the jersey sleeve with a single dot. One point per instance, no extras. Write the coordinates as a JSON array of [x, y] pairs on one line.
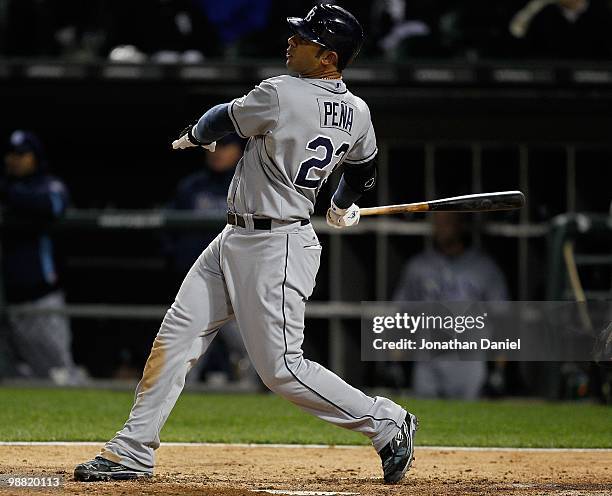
[[257, 112], [365, 148]]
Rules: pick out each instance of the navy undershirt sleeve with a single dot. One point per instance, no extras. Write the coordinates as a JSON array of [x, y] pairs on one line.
[[214, 124], [356, 180], [345, 196]]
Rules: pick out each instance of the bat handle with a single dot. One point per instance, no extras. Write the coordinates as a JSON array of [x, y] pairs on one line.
[[394, 209]]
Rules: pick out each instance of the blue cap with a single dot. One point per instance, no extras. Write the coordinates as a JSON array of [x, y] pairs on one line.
[[24, 142]]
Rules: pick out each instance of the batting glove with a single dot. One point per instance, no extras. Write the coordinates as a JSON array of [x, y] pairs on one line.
[[187, 140], [342, 217]]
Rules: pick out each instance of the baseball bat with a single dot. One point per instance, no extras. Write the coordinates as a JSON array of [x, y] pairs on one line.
[[481, 202]]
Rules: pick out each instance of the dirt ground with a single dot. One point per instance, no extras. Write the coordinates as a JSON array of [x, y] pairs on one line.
[[233, 471]]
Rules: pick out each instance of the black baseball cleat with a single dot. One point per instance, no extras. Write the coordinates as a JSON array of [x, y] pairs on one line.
[[101, 469], [397, 456]]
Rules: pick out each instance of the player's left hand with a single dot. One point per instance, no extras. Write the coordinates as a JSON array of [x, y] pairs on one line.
[[186, 139], [342, 217]]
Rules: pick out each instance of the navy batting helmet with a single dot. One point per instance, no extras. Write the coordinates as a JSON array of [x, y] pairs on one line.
[[332, 27]]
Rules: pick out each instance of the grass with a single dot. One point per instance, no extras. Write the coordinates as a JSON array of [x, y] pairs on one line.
[[87, 415]]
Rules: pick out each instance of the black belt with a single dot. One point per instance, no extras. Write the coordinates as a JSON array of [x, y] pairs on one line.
[[263, 224]]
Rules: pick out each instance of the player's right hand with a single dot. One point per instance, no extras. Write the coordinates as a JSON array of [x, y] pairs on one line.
[[186, 139], [342, 217]]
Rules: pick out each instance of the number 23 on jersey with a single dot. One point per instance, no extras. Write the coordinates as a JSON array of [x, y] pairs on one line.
[[314, 170]]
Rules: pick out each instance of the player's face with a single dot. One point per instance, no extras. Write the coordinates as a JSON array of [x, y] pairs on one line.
[[448, 230], [20, 164], [303, 56]]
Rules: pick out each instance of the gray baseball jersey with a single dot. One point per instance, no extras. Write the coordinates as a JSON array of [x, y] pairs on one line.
[[300, 130]]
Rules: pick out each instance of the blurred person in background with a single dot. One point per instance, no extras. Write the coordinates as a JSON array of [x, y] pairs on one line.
[[402, 29], [31, 196], [164, 31], [205, 191], [476, 29], [451, 271], [564, 29], [78, 33]]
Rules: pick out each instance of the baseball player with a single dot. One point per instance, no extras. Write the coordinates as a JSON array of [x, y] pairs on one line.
[[261, 268]]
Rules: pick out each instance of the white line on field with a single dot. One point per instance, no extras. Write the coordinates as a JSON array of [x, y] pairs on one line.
[[306, 446], [303, 493]]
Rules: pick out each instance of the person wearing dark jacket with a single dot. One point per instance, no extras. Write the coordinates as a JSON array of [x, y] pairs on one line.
[[33, 197]]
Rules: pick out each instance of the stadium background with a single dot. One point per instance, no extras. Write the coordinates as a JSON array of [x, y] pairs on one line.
[[462, 108]]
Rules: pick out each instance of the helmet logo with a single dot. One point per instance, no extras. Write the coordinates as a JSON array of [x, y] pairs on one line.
[[311, 14]]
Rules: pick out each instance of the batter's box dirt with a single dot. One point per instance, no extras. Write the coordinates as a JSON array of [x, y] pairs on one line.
[[244, 471]]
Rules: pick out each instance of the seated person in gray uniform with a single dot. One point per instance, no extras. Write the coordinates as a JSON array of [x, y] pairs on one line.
[[450, 271], [261, 268]]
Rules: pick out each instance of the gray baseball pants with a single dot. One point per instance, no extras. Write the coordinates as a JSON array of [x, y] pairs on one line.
[[44, 340], [262, 278]]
